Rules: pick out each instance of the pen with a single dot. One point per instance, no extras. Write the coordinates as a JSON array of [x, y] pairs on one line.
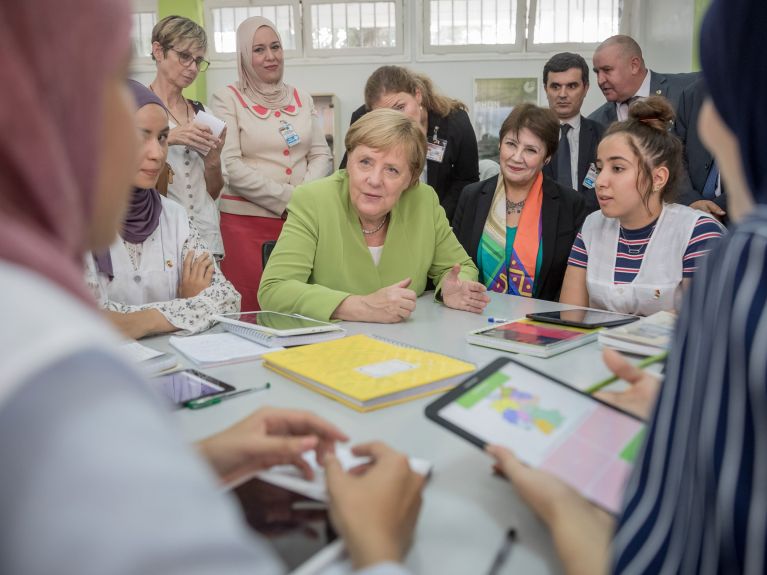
[[641, 365], [503, 552], [201, 402], [497, 320]]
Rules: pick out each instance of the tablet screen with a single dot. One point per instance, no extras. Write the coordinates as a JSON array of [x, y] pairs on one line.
[[584, 317], [183, 386], [588, 445], [297, 527], [278, 321]]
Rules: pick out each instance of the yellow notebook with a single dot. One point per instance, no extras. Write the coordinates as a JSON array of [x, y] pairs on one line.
[[366, 373]]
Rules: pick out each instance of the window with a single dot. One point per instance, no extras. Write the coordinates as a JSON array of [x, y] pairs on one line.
[[365, 26], [515, 25], [224, 20], [141, 33], [575, 21], [475, 23]]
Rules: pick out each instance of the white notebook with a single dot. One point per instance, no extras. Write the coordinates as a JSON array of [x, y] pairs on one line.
[[212, 349]]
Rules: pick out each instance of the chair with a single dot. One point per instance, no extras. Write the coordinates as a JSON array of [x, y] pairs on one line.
[[266, 251]]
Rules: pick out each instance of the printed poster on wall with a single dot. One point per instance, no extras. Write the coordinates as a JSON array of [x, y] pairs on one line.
[[494, 99]]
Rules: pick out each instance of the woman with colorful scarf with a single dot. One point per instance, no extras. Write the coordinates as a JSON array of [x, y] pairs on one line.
[[159, 276], [519, 226]]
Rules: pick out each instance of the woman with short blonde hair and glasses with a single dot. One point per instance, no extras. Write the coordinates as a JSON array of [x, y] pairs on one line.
[[194, 153]]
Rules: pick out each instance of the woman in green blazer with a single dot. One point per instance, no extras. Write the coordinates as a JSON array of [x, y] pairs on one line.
[[361, 244]]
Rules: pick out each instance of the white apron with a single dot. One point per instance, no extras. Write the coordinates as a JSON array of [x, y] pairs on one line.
[[656, 286], [159, 274]]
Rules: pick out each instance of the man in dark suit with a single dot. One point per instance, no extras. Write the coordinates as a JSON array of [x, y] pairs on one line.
[[566, 81], [700, 185], [623, 77]]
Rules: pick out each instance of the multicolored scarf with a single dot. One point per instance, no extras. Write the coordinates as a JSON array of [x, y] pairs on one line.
[[524, 253]]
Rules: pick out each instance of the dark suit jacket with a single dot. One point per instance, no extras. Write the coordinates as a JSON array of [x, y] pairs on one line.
[[460, 165], [668, 85], [588, 140], [697, 159], [562, 215]]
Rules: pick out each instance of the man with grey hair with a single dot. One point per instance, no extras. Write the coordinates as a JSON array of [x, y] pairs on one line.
[[623, 77]]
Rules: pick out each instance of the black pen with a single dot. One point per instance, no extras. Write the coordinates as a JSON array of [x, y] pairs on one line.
[[201, 402], [503, 552]]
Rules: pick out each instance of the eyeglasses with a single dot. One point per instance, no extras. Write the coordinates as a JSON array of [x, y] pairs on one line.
[[186, 59]]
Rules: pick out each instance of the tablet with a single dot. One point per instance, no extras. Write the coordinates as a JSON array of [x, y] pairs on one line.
[[183, 386], [279, 324], [587, 443], [585, 318]]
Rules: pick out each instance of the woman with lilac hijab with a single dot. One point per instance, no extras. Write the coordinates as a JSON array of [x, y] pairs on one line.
[[95, 477], [158, 276]]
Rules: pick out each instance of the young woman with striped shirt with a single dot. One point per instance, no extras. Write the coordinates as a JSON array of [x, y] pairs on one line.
[[638, 252]]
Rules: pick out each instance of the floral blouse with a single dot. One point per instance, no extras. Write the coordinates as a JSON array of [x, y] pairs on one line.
[[192, 315]]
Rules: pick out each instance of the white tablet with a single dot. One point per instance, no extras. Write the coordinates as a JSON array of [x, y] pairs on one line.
[[277, 324]]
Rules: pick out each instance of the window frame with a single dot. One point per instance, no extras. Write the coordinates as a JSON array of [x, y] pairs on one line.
[[311, 53], [143, 62], [532, 47], [427, 49], [231, 57]]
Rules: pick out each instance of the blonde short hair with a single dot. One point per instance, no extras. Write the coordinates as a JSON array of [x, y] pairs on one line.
[[384, 129], [171, 30]]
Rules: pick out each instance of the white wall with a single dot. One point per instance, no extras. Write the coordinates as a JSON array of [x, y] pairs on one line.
[[665, 33]]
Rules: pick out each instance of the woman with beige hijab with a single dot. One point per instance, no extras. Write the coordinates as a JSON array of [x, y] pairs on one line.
[[274, 143]]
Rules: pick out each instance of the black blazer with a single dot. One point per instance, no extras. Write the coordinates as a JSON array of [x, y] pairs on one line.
[[460, 165], [562, 215], [588, 140], [698, 161]]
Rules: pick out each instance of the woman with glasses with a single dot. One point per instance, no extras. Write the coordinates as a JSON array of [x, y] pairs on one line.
[[276, 143], [194, 153]]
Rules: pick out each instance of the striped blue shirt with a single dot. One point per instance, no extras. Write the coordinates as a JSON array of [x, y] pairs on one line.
[[632, 245], [697, 500]]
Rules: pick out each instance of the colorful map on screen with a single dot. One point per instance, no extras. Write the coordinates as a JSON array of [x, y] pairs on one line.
[[523, 409]]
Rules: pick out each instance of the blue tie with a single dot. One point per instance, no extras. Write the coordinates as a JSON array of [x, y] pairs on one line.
[[564, 175], [709, 188]]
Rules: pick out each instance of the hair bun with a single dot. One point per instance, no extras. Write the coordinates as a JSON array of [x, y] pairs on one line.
[[655, 111]]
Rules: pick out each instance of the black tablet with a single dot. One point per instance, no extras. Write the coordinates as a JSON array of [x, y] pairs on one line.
[[182, 386], [585, 318], [587, 443]]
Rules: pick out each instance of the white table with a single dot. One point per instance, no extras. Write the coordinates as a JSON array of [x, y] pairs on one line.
[[466, 509]]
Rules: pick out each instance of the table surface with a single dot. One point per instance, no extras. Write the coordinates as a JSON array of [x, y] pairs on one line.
[[466, 510]]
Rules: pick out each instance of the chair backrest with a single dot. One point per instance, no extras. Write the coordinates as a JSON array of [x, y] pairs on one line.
[[266, 251]]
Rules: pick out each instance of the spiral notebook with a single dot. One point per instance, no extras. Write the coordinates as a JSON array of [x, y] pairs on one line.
[[367, 373]]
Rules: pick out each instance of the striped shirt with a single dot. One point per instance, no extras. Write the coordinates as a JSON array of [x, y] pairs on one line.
[[632, 245], [697, 500]]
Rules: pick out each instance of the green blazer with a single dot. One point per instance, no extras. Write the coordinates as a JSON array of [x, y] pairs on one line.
[[321, 257]]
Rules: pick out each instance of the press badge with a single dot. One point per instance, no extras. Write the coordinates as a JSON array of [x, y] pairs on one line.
[[591, 177], [435, 148], [289, 134]]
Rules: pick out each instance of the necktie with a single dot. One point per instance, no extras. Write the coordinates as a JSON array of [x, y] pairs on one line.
[[709, 188], [624, 108], [564, 176]]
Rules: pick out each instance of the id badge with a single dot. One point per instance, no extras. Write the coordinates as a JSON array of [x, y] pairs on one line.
[[289, 134], [435, 150], [591, 177]]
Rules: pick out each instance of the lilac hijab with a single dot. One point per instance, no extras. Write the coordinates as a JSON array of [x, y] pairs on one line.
[[145, 206], [51, 119]]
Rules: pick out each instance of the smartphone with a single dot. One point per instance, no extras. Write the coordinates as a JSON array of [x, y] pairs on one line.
[[584, 318], [182, 386], [297, 527]]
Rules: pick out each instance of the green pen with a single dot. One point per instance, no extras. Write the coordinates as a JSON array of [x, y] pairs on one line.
[[641, 365], [201, 402]]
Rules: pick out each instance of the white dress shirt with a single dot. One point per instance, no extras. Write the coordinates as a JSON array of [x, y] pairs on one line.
[[622, 108], [573, 137]]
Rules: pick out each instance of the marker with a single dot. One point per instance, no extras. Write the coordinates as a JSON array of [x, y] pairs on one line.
[[201, 402], [497, 320], [641, 365], [503, 552]]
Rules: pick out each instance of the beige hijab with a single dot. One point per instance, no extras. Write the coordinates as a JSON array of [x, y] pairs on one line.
[[268, 95]]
